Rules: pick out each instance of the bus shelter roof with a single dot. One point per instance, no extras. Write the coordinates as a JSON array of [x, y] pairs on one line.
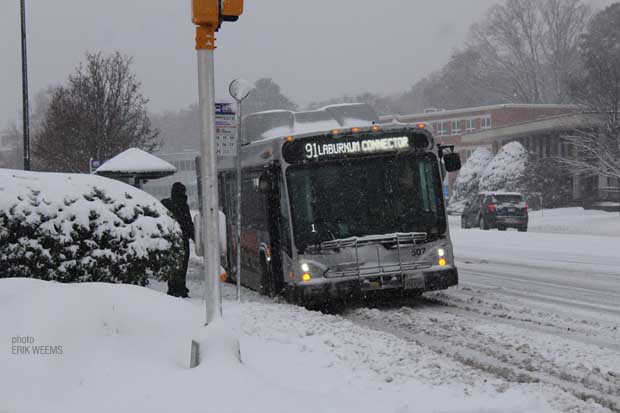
[[136, 163]]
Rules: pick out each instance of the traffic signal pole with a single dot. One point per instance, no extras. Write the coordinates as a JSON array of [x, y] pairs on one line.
[[205, 44], [207, 15]]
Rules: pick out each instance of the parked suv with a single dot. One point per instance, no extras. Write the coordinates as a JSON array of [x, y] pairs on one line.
[[499, 210]]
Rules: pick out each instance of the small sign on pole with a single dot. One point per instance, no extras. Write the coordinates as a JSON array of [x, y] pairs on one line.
[[94, 164], [225, 130]]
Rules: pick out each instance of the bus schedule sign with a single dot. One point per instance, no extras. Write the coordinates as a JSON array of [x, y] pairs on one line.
[[225, 130], [327, 147]]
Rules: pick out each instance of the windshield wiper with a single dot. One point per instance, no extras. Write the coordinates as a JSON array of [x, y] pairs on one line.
[[398, 238]]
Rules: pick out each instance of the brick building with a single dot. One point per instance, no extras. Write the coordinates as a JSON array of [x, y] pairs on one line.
[[449, 126], [543, 137], [539, 128]]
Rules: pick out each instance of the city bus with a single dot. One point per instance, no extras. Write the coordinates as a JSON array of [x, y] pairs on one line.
[[335, 205]]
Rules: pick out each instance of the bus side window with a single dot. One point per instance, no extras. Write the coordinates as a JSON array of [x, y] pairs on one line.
[[253, 204], [285, 221]]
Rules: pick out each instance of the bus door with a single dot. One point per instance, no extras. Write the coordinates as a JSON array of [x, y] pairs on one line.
[[286, 265], [278, 228], [255, 237]]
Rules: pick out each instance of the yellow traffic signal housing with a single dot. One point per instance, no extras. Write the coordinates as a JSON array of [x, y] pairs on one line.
[[206, 13], [231, 10]]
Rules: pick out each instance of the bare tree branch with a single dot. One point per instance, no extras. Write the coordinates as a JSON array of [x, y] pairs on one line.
[[99, 113]]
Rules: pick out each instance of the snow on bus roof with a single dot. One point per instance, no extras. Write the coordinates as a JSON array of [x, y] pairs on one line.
[[279, 123]]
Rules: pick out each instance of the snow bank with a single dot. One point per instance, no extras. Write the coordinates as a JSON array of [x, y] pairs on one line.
[[127, 349], [76, 228], [575, 221]]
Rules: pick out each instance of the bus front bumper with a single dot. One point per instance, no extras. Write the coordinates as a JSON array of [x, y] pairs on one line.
[[432, 279]]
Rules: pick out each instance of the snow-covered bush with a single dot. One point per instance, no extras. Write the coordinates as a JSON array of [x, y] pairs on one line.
[[81, 228], [506, 172], [468, 180]]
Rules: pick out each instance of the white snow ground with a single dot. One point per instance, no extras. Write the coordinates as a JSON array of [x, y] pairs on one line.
[[126, 348], [533, 327]]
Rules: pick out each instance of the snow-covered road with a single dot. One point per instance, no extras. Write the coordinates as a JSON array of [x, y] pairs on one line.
[[530, 307], [541, 307]]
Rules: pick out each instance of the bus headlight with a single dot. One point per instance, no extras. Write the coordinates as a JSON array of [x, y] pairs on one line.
[[442, 262], [311, 269], [441, 252]]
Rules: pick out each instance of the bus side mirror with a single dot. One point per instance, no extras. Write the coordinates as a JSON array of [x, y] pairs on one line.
[[265, 182], [452, 162]]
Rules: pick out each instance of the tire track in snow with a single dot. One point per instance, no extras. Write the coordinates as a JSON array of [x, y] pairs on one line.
[[454, 333], [496, 309], [566, 296]]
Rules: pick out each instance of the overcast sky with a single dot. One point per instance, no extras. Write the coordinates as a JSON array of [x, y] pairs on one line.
[[315, 49]]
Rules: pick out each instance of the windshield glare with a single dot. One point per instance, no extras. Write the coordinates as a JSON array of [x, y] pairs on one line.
[[335, 200]]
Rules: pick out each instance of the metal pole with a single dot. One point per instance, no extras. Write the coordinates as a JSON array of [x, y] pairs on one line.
[[239, 90], [25, 107], [210, 204], [238, 168]]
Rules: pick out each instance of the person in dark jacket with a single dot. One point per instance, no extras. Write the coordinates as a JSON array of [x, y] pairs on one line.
[[177, 205]]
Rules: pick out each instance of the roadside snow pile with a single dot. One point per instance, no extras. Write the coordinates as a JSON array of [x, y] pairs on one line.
[[576, 221], [101, 347], [506, 172], [468, 181], [80, 228]]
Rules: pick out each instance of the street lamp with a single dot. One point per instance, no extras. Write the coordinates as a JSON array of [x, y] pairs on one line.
[[25, 109], [239, 89]]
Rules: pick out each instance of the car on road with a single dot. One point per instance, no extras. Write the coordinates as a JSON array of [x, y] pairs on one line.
[[499, 210]]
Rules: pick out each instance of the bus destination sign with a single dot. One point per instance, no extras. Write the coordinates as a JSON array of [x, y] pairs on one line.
[[326, 147]]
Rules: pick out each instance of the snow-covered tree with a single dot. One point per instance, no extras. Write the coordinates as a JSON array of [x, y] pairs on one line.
[[506, 172], [468, 180], [532, 47], [596, 87]]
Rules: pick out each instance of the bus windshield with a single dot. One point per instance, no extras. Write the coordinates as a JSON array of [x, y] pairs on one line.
[[371, 196]]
